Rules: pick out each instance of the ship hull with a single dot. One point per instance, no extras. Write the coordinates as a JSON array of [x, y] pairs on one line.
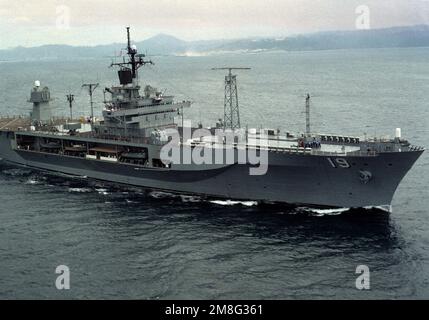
[[290, 178]]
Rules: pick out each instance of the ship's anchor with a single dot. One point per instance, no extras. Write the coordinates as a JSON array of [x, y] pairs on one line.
[[365, 176]]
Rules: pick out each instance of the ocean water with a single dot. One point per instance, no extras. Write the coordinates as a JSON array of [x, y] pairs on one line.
[[134, 243]]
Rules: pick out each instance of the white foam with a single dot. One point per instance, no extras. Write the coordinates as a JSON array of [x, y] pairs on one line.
[[385, 208], [190, 198], [32, 181], [338, 211], [233, 203], [80, 190], [161, 194], [323, 212], [102, 191]]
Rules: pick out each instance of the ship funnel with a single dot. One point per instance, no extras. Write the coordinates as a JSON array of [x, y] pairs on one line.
[[398, 133]]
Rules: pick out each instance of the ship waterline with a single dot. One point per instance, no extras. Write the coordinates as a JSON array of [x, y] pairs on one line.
[[290, 178]]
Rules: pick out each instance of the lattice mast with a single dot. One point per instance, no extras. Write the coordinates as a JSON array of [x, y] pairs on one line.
[[231, 117]]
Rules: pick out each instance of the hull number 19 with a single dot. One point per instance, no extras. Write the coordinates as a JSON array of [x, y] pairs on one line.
[[338, 163]]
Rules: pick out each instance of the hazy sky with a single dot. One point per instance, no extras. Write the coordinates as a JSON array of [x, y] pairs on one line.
[[90, 22]]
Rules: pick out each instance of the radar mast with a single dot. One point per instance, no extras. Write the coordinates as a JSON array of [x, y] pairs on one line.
[[128, 71]]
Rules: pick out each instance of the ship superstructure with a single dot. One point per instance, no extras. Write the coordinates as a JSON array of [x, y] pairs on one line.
[[128, 147], [130, 113]]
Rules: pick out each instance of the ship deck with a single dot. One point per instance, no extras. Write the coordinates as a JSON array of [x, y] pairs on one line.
[[16, 123], [274, 143]]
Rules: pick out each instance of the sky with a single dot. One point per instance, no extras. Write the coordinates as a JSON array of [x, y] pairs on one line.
[[91, 22]]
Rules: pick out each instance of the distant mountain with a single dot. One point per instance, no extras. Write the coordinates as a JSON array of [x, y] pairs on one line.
[[416, 36], [54, 52], [162, 44]]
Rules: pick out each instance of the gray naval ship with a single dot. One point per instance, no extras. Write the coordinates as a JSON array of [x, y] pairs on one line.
[[128, 146]]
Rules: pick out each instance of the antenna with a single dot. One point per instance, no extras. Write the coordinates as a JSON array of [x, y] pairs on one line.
[[91, 88], [132, 53], [231, 108], [307, 115], [70, 99], [129, 40], [135, 60]]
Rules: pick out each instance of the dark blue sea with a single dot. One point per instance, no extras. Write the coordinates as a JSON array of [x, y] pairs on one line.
[[132, 243]]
